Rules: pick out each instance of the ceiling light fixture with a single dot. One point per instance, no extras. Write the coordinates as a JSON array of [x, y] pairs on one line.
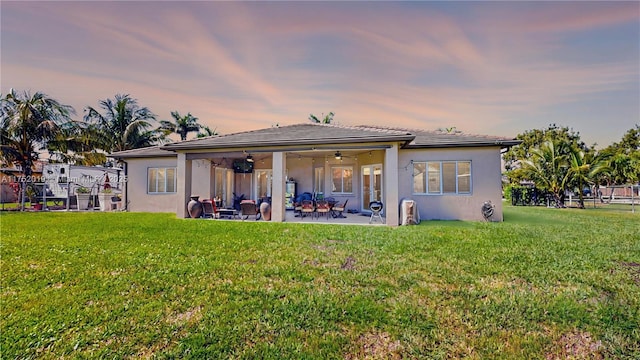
[[338, 155], [249, 158]]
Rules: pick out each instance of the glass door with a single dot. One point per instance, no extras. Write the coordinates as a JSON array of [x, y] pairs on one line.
[[223, 187], [262, 184], [371, 184]]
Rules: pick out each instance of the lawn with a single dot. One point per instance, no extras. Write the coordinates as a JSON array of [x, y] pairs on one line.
[[544, 284]]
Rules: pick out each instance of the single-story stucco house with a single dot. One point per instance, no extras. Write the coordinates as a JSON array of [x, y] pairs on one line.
[[448, 175]]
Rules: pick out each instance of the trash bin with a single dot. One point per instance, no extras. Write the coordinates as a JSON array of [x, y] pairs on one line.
[[409, 214]]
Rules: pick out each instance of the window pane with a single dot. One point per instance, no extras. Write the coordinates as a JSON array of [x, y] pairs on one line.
[[347, 180], [219, 184], [152, 177], [448, 177], [162, 185], [419, 177], [464, 177], [434, 177], [318, 180], [336, 179], [171, 180]]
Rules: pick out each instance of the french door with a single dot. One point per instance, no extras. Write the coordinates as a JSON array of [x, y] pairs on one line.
[[371, 184]]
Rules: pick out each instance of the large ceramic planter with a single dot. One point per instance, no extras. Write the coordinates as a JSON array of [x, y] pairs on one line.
[[265, 211], [83, 201], [194, 207], [105, 201]]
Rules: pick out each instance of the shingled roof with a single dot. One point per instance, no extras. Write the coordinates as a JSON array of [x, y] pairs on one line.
[[440, 139], [319, 134], [292, 135], [147, 152]]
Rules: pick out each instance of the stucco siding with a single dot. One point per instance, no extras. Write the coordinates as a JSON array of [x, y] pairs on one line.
[[137, 197], [485, 183]]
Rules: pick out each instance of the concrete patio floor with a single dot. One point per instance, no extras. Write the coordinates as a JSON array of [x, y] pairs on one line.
[[349, 219]]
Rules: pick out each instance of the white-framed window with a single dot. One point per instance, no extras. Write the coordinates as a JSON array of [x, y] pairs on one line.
[[442, 177], [342, 179], [318, 180], [161, 180]]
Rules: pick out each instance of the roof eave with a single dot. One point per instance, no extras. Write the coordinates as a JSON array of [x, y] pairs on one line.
[[500, 143], [296, 142]]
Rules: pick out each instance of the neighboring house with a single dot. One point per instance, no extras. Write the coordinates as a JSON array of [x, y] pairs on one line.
[[449, 176]]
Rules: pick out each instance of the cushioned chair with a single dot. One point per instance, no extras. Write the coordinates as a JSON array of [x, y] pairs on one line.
[[307, 208], [322, 208], [209, 209], [337, 209], [249, 208]]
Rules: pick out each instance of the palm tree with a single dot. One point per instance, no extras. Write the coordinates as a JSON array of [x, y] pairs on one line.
[[582, 170], [181, 125], [123, 125], [206, 131], [28, 122], [548, 167], [325, 119]]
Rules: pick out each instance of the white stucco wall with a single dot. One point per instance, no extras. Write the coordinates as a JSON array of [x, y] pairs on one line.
[[485, 177], [137, 197]]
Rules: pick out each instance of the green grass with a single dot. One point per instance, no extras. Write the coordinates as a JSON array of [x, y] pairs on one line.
[[546, 283]]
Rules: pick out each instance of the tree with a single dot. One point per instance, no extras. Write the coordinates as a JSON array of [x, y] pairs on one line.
[[206, 131], [534, 138], [547, 167], [324, 120], [624, 158], [181, 125], [122, 125], [28, 123]]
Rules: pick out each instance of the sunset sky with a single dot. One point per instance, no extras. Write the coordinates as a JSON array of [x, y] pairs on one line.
[[495, 68]]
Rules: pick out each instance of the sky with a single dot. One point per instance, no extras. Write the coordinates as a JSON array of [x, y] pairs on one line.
[[491, 68]]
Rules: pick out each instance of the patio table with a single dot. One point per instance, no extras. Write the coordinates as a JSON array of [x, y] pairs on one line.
[[229, 213]]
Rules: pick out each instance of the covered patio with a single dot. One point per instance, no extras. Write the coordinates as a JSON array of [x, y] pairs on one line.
[[347, 164]]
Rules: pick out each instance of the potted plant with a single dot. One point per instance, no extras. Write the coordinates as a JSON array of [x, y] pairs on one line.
[[105, 198], [83, 196]]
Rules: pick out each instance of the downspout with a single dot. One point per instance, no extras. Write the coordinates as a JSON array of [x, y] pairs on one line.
[[126, 185]]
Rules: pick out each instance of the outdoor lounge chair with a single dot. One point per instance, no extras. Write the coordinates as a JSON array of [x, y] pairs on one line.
[[249, 208], [209, 209]]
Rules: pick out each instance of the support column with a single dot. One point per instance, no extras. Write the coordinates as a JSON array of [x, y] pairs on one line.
[[183, 174], [390, 181], [279, 169]]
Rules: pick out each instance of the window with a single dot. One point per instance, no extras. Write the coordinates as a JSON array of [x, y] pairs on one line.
[[342, 179], [161, 180], [442, 177], [318, 180]]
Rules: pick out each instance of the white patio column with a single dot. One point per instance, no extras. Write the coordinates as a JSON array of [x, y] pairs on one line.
[[183, 174], [278, 187], [391, 201]]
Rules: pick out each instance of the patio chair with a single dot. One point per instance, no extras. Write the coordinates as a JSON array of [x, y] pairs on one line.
[[323, 208], [376, 209], [249, 208], [337, 209], [307, 208], [209, 209]]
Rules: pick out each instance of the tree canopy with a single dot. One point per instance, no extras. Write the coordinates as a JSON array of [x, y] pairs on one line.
[[324, 119], [181, 125]]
